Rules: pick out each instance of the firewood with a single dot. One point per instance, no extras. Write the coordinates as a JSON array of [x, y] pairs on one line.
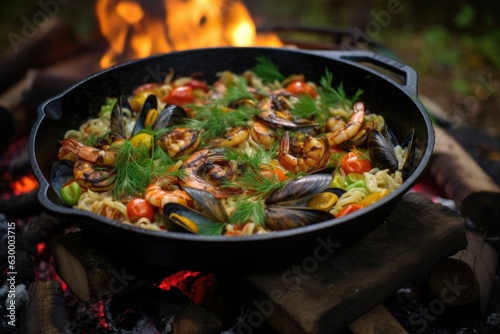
[[464, 181], [324, 294], [52, 42], [21, 206], [173, 312], [468, 276], [45, 309], [377, 321], [93, 272]]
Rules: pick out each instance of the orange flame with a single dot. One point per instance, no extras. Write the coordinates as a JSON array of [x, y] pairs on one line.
[[23, 185], [137, 29]]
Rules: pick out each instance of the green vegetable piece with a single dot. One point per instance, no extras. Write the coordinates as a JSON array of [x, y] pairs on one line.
[[357, 184], [71, 193], [353, 178]]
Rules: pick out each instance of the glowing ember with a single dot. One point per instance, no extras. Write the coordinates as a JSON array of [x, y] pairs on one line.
[[137, 29], [25, 184]]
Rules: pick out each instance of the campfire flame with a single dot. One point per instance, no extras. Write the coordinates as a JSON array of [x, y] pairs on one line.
[[24, 185], [140, 28]]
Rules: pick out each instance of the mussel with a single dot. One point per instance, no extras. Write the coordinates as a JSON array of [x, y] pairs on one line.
[[149, 116], [191, 220], [211, 222], [287, 206], [61, 173], [381, 150]]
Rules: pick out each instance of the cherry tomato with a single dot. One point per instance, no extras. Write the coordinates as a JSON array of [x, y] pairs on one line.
[[140, 208], [179, 96], [300, 87], [350, 208], [197, 84], [355, 162]]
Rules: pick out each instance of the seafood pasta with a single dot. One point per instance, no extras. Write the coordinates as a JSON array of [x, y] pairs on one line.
[[251, 153]]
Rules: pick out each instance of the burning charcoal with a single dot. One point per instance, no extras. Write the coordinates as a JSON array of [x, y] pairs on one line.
[[20, 206], [173, 312], [4, 223], [20, 164], [40, 228]]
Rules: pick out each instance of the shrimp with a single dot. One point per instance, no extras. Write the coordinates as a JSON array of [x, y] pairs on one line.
[[180, 141], [334, 123], [307, 156], [89, 176], [232, 138], [159, 194], [104, 156], [262, 134], [275, 111], [207, 169], [350, 129]]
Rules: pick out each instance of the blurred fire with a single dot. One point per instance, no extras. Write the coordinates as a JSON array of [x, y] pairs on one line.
[[140, 28], [25, 184]]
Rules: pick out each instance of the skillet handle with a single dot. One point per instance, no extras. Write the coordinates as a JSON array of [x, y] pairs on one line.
[[406, 73]]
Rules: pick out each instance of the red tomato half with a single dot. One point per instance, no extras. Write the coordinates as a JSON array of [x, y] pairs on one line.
[[179, 96], [300, 88], [197, 84], [355, 162], [140, 208]]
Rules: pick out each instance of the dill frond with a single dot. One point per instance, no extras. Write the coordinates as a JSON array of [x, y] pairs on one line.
[[336, 96], [249, 211], [132, 176], [267, 70], [305, 107]]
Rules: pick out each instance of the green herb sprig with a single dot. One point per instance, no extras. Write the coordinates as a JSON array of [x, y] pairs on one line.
[[336, 96], [267, 70], [255, 185], [136, 169]]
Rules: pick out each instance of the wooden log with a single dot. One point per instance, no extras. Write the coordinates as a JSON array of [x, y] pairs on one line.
[[324, 294], [464, 181], [45, 310], [468, 276], [377, 321], [173, 312], [95, 273], [21, 206], [53, 42]]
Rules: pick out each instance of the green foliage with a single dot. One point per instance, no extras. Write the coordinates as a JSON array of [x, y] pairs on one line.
[[465, 17]]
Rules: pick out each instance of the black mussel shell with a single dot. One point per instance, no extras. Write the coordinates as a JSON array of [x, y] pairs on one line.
[[61, 173], [191, 220], [170, 116], [210, 204], [410, 163], [150, 102], [381, 151], [337, 191], [299, 190], [117, 124], [284, 218]]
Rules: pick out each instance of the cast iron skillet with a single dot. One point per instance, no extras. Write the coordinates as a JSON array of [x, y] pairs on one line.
[[393, 99]]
